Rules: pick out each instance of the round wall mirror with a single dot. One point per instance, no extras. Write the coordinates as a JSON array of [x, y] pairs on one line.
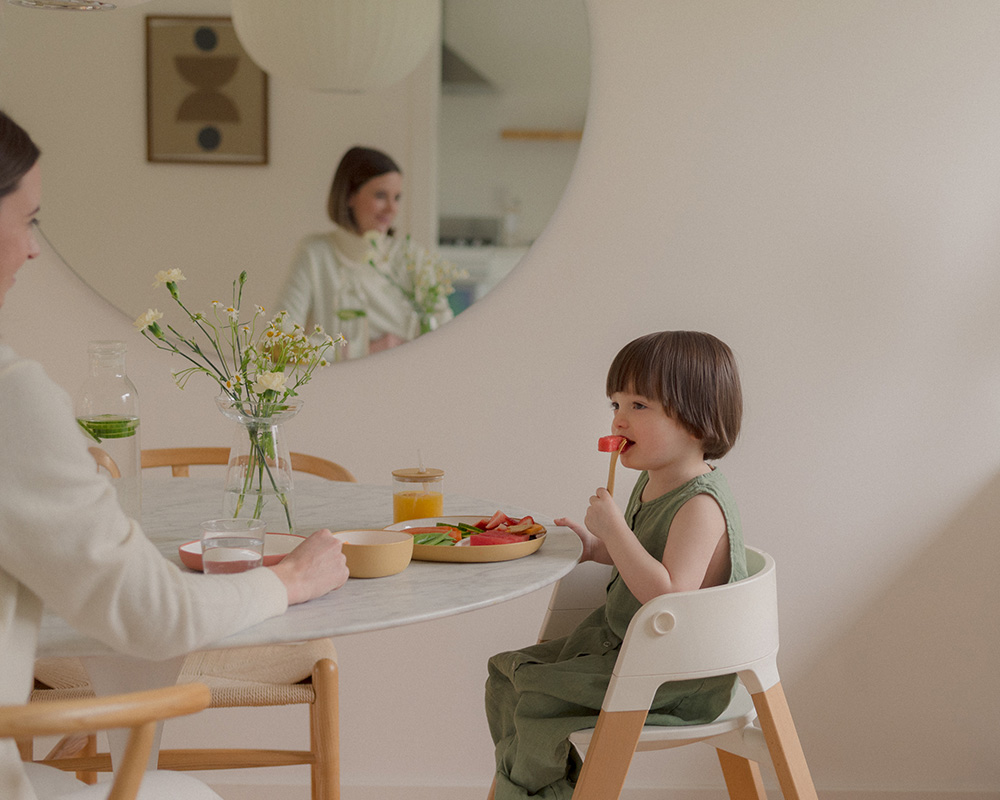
[[486, 149]]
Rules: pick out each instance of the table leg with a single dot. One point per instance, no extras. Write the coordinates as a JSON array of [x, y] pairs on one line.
[[117, 674]]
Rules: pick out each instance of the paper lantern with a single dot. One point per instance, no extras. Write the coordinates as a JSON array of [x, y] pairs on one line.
[[77, 5], [337, 45]]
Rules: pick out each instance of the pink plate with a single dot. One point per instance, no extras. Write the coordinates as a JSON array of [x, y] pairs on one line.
[[276, 547]]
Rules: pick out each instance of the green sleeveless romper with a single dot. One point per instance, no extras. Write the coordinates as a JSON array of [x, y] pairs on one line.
[[537, 696]]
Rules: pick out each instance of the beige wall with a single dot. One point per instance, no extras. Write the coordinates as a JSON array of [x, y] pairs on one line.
[[814, 182]]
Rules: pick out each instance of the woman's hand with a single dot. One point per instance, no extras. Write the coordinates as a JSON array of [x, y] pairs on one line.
[[385, 342], [312, 569]]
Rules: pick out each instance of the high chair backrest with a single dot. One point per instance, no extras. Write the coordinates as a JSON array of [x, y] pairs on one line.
[[715, 631], [573, 598]]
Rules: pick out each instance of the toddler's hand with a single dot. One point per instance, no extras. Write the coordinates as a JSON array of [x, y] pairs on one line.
[[604, 518], [586, 537]]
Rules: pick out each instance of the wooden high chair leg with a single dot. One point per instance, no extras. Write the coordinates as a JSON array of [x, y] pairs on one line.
[[493, 789], [324, 732], [742, 777], [783, 744], [26, 748], [609, 755]]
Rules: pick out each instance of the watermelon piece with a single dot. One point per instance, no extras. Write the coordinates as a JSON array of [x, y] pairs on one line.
[[610, 444], [499, 518], [490, 538]]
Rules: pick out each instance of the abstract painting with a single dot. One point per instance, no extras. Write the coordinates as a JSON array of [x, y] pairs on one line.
[[206, 101]]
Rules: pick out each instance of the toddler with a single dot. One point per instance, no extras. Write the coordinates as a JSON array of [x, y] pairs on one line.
[[677, 401]]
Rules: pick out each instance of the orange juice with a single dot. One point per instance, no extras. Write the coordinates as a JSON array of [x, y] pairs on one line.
[[417, 493], [416, 505]]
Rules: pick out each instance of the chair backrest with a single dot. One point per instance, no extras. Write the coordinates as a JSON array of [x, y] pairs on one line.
[[715, 631], [104, 460], [138, 711], [573, 598], [181, 459]]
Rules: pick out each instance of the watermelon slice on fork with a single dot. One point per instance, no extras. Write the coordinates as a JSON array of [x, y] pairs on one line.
[[613, 445]]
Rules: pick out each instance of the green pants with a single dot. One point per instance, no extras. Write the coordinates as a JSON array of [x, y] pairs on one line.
[[536, 697]]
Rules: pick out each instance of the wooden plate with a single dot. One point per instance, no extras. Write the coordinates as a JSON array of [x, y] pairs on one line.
[[465, 553]]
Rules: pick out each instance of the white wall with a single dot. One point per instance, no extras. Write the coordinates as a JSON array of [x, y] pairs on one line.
[[817, 184]]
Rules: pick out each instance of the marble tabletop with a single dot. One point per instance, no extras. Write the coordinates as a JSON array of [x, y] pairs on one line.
[[173, 508]]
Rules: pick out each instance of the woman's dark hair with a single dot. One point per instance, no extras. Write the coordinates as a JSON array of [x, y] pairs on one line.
[[693, 375], [18, 154], [358, 166]]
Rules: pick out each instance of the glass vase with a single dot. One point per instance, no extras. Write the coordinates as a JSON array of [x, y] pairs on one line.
[[259, 475]]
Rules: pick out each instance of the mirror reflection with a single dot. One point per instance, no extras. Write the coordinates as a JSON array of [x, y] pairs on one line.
[[486, 167]]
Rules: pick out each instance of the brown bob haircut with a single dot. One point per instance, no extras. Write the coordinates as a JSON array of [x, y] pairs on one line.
[[18, 154], [694, 375], [358, 166]]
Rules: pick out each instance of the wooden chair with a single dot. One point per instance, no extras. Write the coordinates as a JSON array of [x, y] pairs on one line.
[[67, 677], [138, 711], [666, 641], [181, 459]]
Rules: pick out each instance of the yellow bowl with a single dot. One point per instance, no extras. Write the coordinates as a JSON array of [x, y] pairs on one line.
[[375, 554]]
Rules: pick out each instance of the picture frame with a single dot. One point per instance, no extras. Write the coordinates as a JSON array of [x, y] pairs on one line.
[[206, 100]]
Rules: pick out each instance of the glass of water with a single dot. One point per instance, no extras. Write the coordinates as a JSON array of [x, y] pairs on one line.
[[231, 545]]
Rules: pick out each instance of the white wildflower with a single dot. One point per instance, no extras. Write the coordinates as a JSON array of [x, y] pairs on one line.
[[146, 319], [165, 276], [269, 381]]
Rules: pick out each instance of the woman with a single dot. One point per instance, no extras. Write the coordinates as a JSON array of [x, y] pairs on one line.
[[330, 272], [64, 541]]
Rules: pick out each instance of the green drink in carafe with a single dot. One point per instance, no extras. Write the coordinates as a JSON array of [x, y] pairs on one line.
[[107, 410]]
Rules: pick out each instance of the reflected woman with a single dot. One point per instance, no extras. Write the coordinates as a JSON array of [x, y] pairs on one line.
[[330, 272]]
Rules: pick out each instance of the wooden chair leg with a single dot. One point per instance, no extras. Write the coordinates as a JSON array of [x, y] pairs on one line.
[[609, 755], [324, 732], [783, 744], [90, 749], [742, 777], [133, 766], [26, 748], [72, 746], [493, 789]]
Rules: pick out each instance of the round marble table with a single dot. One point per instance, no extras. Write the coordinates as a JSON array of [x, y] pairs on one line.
[[173, 508]]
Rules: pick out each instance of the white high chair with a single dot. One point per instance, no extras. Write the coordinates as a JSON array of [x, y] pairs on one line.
[[715, 631]]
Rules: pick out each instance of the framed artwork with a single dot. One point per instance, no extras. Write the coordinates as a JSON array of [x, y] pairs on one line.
[[206, 101]]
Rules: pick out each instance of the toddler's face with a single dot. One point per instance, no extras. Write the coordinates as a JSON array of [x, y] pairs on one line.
[[656, 439]]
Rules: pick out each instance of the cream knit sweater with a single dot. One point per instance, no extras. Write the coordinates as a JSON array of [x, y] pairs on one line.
[[65, 543], [330, 273]]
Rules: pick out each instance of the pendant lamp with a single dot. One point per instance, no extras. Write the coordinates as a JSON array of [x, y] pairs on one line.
[[77, 5], [337, 45]]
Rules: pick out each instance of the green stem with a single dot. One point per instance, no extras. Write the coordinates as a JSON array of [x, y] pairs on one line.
[[262, 445]]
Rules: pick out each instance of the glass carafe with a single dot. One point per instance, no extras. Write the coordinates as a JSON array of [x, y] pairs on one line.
[[107, 409]]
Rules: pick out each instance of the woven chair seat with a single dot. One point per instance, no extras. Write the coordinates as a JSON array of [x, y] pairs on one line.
[[273, 675]]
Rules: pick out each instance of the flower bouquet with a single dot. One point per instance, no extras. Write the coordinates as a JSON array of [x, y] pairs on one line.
[[426, 280], [259, 366]]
